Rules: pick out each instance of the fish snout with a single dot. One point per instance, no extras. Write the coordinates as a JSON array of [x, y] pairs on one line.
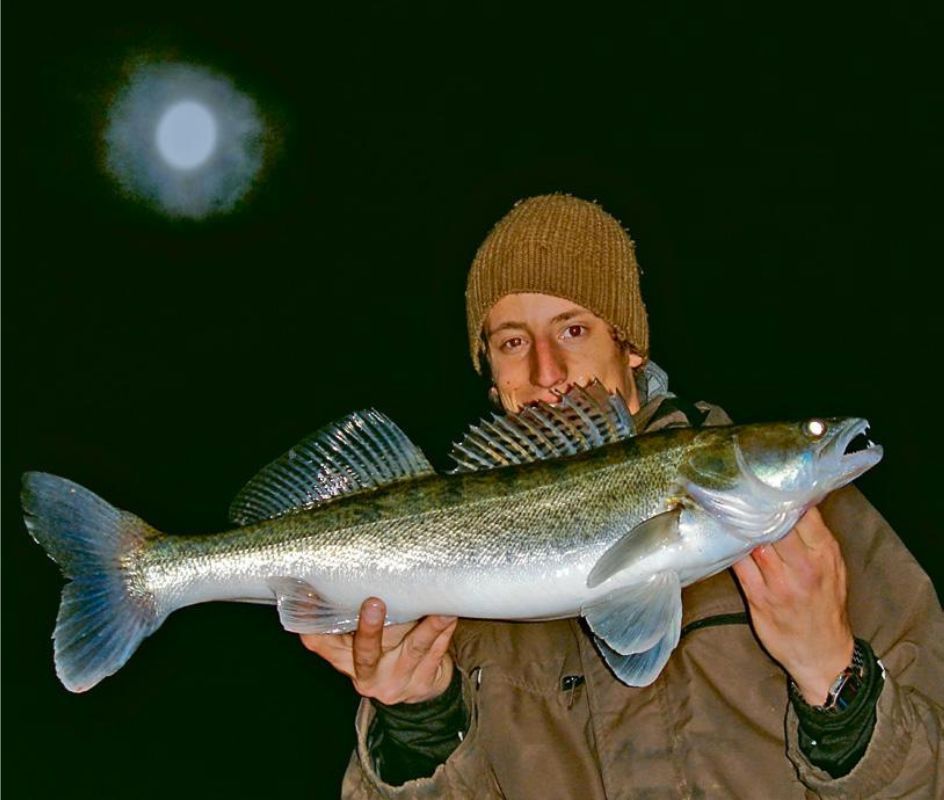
[[847, 451]]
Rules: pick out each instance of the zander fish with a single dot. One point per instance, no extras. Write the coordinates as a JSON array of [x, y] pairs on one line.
[[557, 511]]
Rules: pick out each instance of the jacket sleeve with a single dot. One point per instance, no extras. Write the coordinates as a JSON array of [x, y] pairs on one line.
[[892, 605], [465, 774]]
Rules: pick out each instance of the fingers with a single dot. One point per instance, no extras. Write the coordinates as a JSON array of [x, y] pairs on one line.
[[428, 642], [395, 633], [791, 548], [429, 669], [368, 640], [813, 531], [760, 572], [796, 564], [420, 641], [397, 663], [810, 550], [750, 577], [794, 550]]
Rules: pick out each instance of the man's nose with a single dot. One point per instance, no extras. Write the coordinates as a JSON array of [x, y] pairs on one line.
[[548, 368]]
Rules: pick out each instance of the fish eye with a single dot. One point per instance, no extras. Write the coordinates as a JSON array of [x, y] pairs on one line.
[[816, 428]]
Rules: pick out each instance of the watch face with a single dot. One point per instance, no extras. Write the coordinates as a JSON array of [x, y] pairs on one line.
[[847, 692]]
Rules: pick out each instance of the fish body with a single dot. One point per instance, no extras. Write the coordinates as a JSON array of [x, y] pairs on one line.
[[556, 512], [513, 543]]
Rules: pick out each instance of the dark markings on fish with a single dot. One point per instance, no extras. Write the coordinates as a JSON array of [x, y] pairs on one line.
[[513, 542]]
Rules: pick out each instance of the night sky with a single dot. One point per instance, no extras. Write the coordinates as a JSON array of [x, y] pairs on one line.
[[780, 172]]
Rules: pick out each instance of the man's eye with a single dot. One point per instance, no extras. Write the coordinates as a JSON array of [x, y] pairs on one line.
[[573, 331], [512, 344]]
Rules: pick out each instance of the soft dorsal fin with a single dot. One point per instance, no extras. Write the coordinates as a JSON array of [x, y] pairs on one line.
[[361, 451], [585, 418]]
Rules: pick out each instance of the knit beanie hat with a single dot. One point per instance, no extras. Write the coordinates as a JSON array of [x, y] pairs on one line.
[[563, 246]]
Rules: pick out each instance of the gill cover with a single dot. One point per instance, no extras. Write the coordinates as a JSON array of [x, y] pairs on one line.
[[724, 484]]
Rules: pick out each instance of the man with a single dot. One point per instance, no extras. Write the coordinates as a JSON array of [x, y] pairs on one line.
[[794, 705]]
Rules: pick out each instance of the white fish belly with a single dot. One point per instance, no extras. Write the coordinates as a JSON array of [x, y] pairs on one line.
[[535, 593], [530, 594]]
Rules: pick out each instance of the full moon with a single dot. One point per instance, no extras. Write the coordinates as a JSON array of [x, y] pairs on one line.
[[186, 135], [184, 140]]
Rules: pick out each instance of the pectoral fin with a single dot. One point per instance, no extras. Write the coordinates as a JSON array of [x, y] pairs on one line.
[[303, 610], [637, 628], [646, 538]]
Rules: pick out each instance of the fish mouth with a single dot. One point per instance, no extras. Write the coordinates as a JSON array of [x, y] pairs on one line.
[[848, 452]]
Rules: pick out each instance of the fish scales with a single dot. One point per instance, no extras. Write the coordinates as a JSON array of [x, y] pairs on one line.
[[448, 530], [600, 525]]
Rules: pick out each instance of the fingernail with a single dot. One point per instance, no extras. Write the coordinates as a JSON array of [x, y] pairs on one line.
[[373, 614]]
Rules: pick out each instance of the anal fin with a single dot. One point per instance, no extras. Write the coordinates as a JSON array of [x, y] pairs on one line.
[[303, 610]]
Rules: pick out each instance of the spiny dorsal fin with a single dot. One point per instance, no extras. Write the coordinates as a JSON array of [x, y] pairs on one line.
[[361, 451], [585, 418]]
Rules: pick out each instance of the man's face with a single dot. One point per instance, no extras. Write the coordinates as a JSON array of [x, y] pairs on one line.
[[539, 345]]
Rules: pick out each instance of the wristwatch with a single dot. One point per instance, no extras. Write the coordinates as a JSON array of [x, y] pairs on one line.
[[844, 690], [847, 685]]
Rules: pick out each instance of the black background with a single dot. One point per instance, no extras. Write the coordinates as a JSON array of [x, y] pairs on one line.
[[780, 171]]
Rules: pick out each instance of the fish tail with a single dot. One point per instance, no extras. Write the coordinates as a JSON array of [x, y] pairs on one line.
[[102, 617]]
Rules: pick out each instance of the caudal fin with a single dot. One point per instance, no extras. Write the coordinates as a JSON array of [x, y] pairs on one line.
[[101, 619]]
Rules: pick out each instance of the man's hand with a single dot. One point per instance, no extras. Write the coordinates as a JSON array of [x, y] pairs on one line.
[[405, 663], [796, 591]]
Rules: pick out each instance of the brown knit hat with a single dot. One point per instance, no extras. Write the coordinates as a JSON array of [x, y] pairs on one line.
[[563, 246]]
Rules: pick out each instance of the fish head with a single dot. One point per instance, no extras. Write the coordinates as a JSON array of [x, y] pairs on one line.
[[811, 457], [759, 479]]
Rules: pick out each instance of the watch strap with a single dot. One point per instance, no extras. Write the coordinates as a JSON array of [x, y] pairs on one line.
[[834, 740]]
